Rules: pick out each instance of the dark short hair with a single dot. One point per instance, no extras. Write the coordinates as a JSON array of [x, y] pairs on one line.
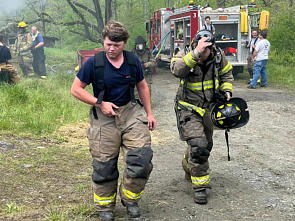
[[263, 34], [207, 17], [115, 31], [1, 38]]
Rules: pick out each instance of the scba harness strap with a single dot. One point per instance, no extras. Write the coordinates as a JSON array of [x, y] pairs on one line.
[[99, 76]]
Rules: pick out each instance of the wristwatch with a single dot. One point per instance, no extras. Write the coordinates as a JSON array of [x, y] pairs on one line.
[[98, 101]]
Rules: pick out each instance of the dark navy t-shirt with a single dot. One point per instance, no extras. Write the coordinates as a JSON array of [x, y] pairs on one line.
[[4, 54], [116, 80]]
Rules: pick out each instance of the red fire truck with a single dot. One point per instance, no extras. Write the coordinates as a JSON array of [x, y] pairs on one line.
[[173, 29]]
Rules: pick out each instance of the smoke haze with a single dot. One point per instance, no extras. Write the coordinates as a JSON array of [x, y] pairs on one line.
[[7, 6]]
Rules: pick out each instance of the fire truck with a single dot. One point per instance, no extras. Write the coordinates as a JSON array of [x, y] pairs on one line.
[[173, 29]]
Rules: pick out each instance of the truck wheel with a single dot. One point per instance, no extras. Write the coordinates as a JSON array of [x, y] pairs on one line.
[[237, 69]]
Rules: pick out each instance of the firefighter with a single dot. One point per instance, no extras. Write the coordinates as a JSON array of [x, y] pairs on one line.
[[206, 75], [147, 62], [8, 73], [22, 48], [117, 120]]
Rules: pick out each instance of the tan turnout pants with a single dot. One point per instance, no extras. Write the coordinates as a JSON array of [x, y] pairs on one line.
[[128, 130], [12, 73], [199, 140]]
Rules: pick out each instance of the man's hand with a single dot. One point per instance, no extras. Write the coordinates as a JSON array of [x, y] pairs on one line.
[[152, 122], [227, 95], [107, 108], [202, 45]]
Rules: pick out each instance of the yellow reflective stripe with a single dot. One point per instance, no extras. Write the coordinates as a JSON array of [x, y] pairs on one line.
[[189, 106], [104, 200], [198, 86], [200, 180], [174, 59], [226, 69], [193, 86], [131, 195], [216, 84], [227, 86], [208, 84], [189, 61]]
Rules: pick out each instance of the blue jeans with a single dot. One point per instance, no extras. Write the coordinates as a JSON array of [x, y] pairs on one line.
[[259, 69]]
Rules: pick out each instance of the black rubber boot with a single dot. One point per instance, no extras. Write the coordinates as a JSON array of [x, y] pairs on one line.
[[201, 197], [132, 209], [106, 216]]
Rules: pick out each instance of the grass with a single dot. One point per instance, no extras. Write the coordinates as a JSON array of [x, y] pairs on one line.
[[281, 74], [37, 107], [13, 208]]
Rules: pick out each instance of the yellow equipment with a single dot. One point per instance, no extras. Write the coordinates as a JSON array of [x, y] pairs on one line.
[[244, 22], [264, 20], [22, 24]]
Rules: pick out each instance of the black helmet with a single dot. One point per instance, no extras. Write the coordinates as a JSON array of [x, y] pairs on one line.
[[204, 33], [228, 115], [244, 111], [140, 40]]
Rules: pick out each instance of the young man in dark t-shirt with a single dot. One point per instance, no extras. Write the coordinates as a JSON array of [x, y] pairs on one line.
[[117, 121], [116, 80]]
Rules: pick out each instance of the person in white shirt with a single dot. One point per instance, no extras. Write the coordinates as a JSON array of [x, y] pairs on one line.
[[260, 57], [208, 25]]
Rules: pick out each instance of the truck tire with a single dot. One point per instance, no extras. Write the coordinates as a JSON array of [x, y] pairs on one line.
[[237, 69]]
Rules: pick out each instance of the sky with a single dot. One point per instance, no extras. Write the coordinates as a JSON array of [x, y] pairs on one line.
[[7, 6]]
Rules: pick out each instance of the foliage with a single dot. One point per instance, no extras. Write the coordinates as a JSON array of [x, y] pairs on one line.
[[282, 32]]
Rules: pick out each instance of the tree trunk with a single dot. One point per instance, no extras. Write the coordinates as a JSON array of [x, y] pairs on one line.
[[108, 10], [115, 10], [43, 7], [98, 16]]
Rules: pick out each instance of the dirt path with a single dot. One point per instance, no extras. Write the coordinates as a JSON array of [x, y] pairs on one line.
[[259, 181]]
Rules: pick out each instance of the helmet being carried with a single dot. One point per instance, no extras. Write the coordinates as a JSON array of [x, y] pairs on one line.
[[228, 115]]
